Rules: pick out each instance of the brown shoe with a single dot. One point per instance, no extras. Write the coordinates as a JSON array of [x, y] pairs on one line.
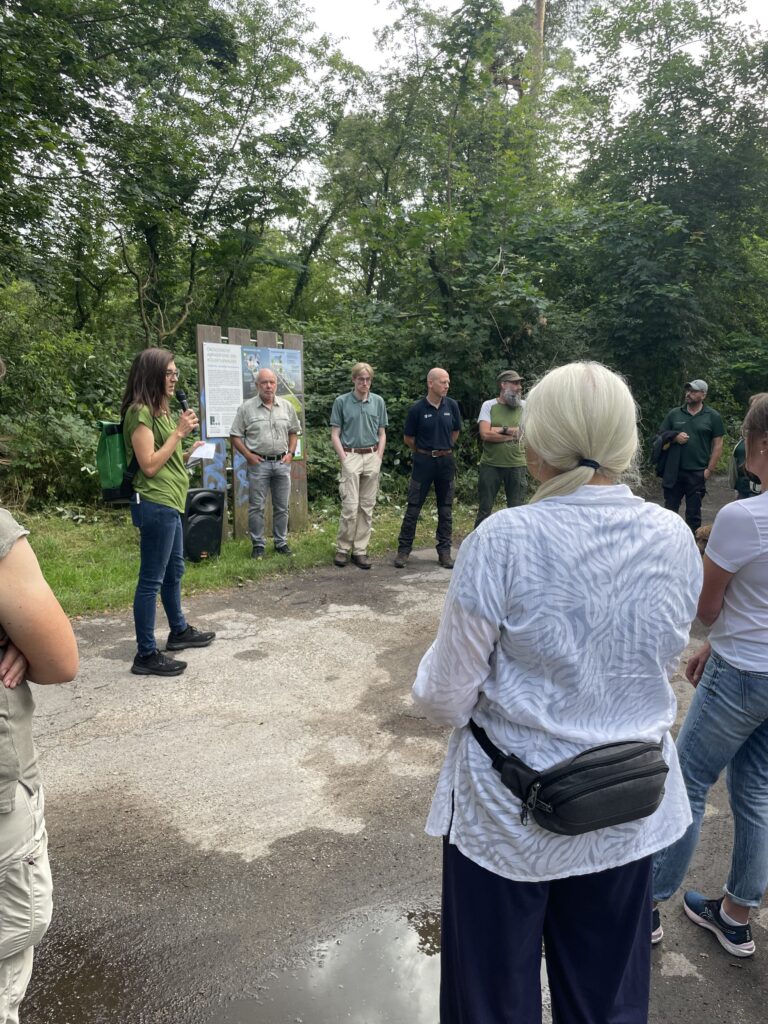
[[362, 561], [402, 559], [340, 559], [446, 561]]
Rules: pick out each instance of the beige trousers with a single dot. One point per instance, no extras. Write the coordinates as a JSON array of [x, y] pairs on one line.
[[25, 896], [358, 488]]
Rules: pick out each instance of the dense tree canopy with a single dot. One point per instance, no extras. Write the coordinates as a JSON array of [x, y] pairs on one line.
[[517, 186]]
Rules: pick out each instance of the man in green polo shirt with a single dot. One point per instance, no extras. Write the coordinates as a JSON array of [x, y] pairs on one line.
[[503, 458], [700, 433], [359, 435]]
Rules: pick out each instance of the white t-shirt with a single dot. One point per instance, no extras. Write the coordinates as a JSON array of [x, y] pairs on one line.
[[562, 624], [739, 544]]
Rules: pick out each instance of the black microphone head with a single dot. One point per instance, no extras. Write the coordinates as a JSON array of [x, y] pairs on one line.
[[182, 400]]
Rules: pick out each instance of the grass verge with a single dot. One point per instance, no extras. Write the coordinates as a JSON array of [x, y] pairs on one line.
[[91, 559]]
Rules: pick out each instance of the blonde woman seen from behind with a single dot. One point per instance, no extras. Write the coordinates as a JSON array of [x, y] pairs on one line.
[[562, 623]]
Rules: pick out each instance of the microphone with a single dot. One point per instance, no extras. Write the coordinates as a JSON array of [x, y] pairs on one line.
[[181, 397]]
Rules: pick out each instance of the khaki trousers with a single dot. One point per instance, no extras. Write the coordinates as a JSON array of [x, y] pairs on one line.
[[358, 488], [25, 896]]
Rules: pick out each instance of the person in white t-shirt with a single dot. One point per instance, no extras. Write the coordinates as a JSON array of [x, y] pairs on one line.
[[727, 722], [561, 626]]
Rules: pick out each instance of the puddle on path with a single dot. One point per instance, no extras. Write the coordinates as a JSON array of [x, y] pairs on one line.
[[382, 973]]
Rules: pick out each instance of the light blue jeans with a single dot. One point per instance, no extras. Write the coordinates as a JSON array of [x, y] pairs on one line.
[[263, 478], [726, 727]]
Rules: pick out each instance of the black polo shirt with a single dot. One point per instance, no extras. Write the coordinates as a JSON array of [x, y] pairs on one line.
[[432, 427]]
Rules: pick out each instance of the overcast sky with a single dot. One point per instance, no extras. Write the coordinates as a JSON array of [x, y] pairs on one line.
[[356, 20]]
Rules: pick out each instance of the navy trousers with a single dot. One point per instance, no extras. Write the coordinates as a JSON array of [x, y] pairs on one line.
[[596, 930]]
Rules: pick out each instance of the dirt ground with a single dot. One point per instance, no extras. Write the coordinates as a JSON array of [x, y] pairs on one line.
[[209, 831]]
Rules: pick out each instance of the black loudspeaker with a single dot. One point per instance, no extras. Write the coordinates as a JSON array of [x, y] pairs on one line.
[[203, 524]]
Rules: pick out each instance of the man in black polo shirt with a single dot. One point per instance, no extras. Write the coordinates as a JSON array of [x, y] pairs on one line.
[[431, 428], [700, 433]]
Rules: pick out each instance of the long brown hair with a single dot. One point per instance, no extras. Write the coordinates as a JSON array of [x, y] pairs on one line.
[[146, 382], [755, 425]]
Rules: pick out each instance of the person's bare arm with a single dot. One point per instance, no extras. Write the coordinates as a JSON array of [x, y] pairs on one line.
[[34, 620], [410, 442], [143, 443], [713, 590], [714, 455], [382, 442], [239, 445], [454, 435], [496, 434]]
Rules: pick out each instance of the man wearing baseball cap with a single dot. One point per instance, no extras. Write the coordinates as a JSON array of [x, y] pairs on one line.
[[699, 431], [503, 458]]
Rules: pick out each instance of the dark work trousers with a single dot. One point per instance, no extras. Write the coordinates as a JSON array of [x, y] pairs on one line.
[[596, 931], [427, 471], [690, 485], [490, 479]]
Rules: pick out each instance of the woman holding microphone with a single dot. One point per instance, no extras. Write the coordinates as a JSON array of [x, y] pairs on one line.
[[160, 491]]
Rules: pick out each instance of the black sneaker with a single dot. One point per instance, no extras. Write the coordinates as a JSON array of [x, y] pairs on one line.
[[657, 932], [191, 637], [258, 551], [284, 550], [737, 939], [156, 664]]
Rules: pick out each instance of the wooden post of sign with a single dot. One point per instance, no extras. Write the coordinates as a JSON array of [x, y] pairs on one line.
[[299, 514], [214, 470], [239, 336]]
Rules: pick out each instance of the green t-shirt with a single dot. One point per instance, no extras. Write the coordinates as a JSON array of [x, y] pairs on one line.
[[170, 484], [359, 422], [701, 429], [510, 453]]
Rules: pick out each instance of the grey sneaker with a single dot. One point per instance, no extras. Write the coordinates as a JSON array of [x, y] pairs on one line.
[[156, 664]]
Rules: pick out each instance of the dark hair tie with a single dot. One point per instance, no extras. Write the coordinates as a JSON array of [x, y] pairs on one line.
[[589, 462]]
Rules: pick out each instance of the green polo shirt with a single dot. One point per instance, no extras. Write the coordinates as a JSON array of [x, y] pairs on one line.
[[359, 421], [170, 484], [701, 429], [510, 454]]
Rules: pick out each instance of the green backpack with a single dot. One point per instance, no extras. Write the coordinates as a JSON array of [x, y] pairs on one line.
[[115, 474]]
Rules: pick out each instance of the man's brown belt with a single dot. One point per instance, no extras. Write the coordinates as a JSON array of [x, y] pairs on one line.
[[436, 453], [361, 451]]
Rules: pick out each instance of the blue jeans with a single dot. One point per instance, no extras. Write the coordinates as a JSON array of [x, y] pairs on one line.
[[726, 726], [161, 568], [263, 478]]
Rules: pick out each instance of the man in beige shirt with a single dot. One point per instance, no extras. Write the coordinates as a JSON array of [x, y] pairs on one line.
[[265, 431]]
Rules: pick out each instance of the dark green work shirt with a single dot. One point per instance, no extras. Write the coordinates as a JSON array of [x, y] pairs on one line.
[[359, 421], [701, 429]]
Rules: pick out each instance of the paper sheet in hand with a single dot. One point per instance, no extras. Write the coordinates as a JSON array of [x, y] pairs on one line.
[[207, 450]]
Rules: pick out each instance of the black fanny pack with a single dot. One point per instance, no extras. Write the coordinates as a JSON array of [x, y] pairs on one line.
[[602, 786]]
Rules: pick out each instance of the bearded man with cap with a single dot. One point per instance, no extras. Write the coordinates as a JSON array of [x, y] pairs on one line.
[[699, 432], [503, 458]]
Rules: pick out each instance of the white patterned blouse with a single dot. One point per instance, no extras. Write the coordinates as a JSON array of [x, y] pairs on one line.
[[562, 625]]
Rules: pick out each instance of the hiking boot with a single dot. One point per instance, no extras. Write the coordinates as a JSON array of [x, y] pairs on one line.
[[444, 558], [737, 939], [362, 561], [258, 551], [657, 932], [156, 664], [284, 550], [340, 558], [190, 637], [402, 559]]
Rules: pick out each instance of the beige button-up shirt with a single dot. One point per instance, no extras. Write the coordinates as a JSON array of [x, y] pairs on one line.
[[265, 429]]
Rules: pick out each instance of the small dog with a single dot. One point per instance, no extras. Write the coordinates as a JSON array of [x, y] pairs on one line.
[[702, 537]]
